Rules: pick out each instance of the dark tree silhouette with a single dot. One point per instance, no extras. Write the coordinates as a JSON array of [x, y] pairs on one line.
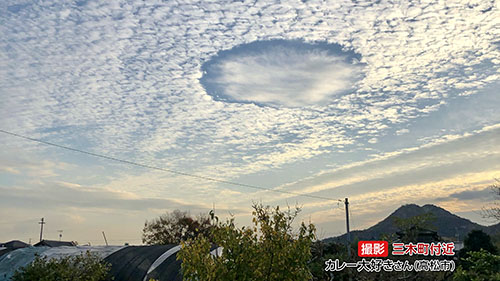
[[172, 228], [493, 211], [477, 240]]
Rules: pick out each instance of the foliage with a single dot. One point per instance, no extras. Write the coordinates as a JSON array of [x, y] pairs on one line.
[[321, 252], [423, 221], [172, 228], [495, 239], [479, 266], [269, 250], [84, 267], [477, 240], [413, 225]]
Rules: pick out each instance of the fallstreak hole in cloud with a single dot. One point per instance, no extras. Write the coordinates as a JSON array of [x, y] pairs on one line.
[[282, 73]]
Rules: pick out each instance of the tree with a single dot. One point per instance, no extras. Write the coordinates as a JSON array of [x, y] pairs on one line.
[[478, 240], [479, 266], [269, 250], [322, 252], [172, 228], [411, 227], [84, 267], [493, 211]]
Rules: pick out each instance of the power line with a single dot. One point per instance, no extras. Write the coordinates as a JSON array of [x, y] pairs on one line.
[[163, 169]]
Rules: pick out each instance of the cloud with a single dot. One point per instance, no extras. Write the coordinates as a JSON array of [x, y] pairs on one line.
[[64, 195], [123, 79], [9, 170], [473, 194], [450, 154], [15, 162], [430, 173], [370, 207], [282, 73], [402, 132], [132, 72]]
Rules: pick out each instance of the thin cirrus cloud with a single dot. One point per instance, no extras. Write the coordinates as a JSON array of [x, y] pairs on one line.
[[445, 157], [60, 195]]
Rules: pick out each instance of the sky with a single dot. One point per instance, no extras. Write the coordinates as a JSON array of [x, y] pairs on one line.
[[386, 103]]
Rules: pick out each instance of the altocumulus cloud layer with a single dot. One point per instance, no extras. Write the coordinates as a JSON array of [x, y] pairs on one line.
[[123, 78]]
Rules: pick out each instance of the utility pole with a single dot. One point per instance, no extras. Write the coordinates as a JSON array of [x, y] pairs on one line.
[[41, 223], [348, 232], [347, 226], [105, 240]]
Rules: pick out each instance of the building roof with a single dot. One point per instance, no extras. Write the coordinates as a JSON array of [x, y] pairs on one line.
[[54, 243], [14, 244], [422, 234], [11, 246]]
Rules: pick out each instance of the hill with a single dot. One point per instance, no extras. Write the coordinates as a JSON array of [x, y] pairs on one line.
[[446, 224]]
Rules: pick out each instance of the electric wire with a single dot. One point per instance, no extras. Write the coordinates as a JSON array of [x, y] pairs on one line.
[[164, 169]]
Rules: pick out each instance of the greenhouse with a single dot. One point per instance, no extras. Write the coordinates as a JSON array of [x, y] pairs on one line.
[[127, 262]]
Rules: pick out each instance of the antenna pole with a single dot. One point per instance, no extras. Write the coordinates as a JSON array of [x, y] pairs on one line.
[[105, 240]]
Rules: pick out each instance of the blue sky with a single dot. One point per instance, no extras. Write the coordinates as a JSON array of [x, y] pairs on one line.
[[384, 103]]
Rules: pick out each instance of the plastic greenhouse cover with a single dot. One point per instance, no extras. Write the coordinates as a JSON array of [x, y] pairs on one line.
[[18, 258]]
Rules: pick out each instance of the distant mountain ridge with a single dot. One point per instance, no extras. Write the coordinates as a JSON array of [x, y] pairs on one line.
[[446, 224]]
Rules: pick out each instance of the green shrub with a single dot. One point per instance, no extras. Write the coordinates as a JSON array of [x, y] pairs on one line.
[[269, 250], [479, 266], [84, 267]]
